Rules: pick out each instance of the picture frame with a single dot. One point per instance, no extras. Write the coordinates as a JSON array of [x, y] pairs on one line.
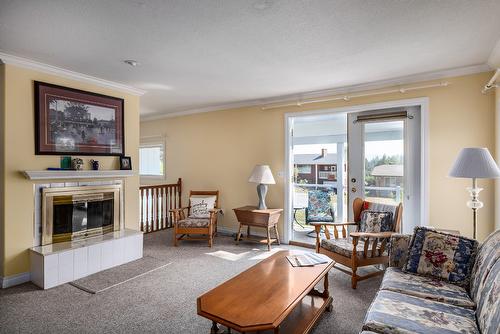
[[70, 121], [125, 163]]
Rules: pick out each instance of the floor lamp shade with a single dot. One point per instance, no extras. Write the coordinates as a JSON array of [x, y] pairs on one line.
[[262, 175], [474, 163]]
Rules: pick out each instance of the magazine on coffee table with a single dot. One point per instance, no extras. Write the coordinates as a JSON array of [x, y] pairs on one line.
[[307, 259]]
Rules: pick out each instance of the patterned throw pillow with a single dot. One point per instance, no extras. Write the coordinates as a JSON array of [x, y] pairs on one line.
[[201, 206], [376, 221], [441, 255], [319, 206]]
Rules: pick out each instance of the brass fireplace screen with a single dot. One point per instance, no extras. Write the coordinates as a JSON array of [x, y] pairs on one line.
[[75, 213]]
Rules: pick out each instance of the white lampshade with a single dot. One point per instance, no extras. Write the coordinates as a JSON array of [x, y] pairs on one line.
[[475, 162], [262, 174]]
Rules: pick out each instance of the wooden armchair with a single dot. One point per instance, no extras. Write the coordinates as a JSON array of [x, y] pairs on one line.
[[185, 225], [366, 248]]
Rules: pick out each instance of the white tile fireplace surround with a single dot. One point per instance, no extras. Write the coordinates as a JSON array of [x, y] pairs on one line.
[[58, 263]]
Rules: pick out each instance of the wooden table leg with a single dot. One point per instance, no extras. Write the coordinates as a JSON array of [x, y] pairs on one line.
[[326, 293], [248, 231], [276, 330], [215, 328], [268, 239], [238, 236], [277, 234]]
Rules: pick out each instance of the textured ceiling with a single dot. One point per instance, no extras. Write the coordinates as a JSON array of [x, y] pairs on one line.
[[195, 54]]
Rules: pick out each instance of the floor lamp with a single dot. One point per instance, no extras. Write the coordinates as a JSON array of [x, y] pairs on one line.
[[474, 163]]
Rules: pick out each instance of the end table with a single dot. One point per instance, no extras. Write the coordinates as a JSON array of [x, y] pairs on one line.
[[251, 216]]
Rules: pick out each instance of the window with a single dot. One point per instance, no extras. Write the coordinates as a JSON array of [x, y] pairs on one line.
[[152, 160]]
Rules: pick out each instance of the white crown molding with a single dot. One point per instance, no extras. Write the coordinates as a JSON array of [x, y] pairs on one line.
[[61, 72], [410, 79]]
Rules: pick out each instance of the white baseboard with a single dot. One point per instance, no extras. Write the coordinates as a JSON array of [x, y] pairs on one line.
[[7, 282]]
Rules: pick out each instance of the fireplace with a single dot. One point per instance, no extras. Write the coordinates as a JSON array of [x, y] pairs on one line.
[[75, 213]]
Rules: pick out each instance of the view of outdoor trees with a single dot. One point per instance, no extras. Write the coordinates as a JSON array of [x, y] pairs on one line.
[[386, 181], [378, 161]]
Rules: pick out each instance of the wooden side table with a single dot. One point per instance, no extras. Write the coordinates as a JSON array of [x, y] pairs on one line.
[[251, 216]]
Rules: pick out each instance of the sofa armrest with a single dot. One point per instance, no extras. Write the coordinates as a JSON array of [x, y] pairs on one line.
[[398, 249]]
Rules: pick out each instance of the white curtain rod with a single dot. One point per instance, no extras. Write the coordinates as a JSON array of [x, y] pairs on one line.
[[492, 83], [352, 96]]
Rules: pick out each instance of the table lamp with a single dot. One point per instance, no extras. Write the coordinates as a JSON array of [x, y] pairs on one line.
[[262, 175], [474, 163]]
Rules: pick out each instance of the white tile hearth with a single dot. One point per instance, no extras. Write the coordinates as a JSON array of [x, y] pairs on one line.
[[63, 262]]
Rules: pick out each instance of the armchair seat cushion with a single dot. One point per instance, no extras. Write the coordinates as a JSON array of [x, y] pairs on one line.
[[193, 223], [393, 312], [426, 287], [344, 247]]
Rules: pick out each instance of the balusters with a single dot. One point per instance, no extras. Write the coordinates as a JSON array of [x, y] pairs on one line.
[[155, 206]]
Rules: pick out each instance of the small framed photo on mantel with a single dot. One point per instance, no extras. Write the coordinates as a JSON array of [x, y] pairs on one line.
[[125, 163], [75, 122]]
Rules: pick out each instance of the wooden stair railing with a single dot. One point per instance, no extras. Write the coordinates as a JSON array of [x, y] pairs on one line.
[[156, 203]]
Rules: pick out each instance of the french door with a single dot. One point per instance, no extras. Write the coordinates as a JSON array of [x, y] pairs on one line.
[[375, 152], [384, 156]]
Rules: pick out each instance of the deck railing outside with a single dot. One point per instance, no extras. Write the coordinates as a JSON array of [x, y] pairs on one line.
[[156, 203]]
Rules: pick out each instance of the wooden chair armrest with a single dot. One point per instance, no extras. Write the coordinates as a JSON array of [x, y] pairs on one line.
[[215, 210], [332, 224], [379, 235], [179, 209]]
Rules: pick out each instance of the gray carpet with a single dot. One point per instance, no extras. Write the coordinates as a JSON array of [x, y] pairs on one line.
[[113, 277], [164, 300]]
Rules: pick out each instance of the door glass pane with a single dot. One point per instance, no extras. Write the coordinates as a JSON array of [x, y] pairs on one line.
[[384, 162], [319, 173]]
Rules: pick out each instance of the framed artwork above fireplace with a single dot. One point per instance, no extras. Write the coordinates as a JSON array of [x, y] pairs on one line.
[[72, 121]]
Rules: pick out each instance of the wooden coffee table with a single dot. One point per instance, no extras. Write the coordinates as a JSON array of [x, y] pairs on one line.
[[270, 297]]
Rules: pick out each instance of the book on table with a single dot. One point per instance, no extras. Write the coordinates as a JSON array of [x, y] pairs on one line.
[[307, 259]]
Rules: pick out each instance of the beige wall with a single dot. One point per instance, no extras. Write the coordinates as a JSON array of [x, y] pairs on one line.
[[2, 163], [217, 150], [19, 155]]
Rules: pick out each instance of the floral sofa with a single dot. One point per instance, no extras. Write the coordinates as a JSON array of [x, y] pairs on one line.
[[408, 303]]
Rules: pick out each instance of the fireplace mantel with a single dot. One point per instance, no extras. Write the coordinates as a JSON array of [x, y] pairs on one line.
[[75, 174]]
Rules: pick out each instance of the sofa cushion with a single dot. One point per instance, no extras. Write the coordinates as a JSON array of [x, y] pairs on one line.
[[441, 255], [393, 312], [426, 287], [343, 246], [193, 223], [376, 221], [487, 255], [399, 245], [488, 305]]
